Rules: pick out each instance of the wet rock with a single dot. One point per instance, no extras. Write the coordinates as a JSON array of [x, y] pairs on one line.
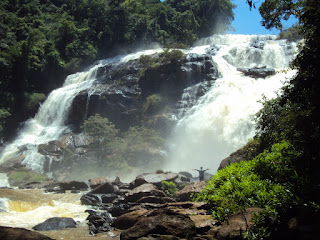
[[258, 44], [8, 233], [262, 72], [163, 222], [62, 187], [185, 194], [154, 199], [99, 221], [98, 199], [55, 223], [75, 185]]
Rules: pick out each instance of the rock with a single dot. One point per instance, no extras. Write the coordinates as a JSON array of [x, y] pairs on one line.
[[55, 223], [257, 72], [203, 223], [127, 220], [12, 163], [99, 221], [237, 224], [95, 182], [103, 189], [143, 191], [98, 199], [62, 187], [258, 44], [154, 199], [163, 222], [8, 233], [154, 178], [186, 174], [195, 187], [74, 185]]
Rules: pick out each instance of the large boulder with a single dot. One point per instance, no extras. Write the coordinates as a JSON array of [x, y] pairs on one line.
[[190, 189], [154, 178], [143, 191], [99, 221], [163, 222], [8, 233], [55, 223], [257, 72]]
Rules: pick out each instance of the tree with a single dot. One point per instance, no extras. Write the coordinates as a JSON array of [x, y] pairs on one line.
[[101, 129]]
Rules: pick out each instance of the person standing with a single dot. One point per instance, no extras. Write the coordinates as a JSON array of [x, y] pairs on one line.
[[201, 173]]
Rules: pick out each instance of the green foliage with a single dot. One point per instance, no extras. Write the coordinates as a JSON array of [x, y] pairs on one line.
[[153, 105], [169, 187], [268, 181], [291, 34], [17, 178], [34, 100], [102, 128]]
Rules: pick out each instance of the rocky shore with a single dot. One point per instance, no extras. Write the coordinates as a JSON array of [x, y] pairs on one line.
[[153, 206]]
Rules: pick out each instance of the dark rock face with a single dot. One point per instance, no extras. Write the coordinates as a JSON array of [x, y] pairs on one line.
[[154, 178], [262, 72], [120, 92], [164, 222], [99, 221], [8, 233], [55, 223]]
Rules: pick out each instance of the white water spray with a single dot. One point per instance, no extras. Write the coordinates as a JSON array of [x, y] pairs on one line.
[[223, 120]]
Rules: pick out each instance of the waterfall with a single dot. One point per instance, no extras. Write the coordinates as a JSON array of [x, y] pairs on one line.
[[223, 119], [49, 122]]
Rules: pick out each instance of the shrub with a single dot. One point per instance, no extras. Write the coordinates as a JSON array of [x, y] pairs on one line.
[[34, 100], [169, 187]]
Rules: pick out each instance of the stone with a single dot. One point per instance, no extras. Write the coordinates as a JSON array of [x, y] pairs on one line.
[[185, 194], [98, 199], [55, 223], [12, 163], [104, 188], [8, 233], [237, 224], [203, 223], [99, 221], [95, 182], [127, 220], [257, 72], [163, 222], [154, 178], [143, 191]]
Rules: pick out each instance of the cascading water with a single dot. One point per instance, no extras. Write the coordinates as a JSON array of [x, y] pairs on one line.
[[223, 119], [49, 122]]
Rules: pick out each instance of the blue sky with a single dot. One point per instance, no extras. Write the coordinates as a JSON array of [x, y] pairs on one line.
[[248, 22]]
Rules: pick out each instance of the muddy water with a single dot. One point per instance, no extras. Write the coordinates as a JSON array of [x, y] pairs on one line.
[[27, 208]]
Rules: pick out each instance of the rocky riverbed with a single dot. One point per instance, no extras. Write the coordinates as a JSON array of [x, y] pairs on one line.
[[146, 208]]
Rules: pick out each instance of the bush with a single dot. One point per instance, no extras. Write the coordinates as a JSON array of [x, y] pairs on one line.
[[268, 181], [169, 187], [34, 100]]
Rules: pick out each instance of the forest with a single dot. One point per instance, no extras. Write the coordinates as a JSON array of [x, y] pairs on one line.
[[43, 41]]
